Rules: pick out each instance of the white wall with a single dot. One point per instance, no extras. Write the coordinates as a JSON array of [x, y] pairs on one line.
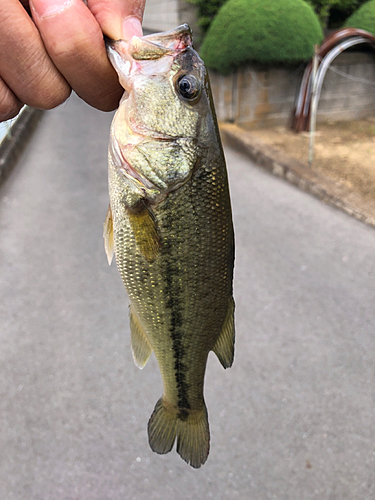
[[161, 15]]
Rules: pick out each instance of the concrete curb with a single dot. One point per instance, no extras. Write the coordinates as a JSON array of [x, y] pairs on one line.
[[13, 144], [296, 173]]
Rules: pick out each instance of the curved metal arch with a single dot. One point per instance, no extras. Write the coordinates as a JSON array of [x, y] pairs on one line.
[[332, 46]]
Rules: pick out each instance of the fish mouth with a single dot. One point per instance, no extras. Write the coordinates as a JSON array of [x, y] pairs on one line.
[[153, 46], [127, 56], [176, 39]]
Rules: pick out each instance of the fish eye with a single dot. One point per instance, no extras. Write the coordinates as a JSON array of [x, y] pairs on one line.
[[188, 86]]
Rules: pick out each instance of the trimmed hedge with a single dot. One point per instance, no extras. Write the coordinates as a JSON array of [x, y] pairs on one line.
[[263, 31], [363, 18]]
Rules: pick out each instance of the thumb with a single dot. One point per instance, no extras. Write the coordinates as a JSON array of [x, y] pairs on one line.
[[118, 18]]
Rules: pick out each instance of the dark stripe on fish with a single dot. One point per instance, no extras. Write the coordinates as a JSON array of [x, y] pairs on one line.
[[172, 291]]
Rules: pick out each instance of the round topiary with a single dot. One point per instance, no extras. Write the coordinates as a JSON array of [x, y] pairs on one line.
[[363, 18], [263, 31]]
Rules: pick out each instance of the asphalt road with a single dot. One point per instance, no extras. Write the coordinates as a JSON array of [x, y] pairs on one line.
[[292, 420]]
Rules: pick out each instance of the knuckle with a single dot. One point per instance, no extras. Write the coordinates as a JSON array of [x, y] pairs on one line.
[[69, 48], [37, 82], [44, 86], [48, 97], [9, 104]]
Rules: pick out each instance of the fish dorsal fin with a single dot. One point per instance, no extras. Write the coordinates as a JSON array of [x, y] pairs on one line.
[[141, 347], [108, 235], [224, 346], [146, 233]]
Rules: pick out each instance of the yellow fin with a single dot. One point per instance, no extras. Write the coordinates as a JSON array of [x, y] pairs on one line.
[[224, 346], [108, 235], [141, 347], [146, 233], [191, 430]]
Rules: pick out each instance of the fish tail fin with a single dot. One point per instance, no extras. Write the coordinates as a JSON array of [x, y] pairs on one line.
[[189, 427]]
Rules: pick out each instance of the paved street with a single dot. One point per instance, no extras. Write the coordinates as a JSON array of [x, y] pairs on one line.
[[294, 419]]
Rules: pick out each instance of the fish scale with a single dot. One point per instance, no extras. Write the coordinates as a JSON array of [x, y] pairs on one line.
[[174, 247]]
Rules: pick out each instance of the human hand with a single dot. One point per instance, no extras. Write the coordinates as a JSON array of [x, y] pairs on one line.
[[60, 47]]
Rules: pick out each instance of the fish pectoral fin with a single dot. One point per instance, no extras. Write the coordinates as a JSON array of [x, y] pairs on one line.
[[108, 235], [224, 346], [191, 430], [141, 347], [146, 233]]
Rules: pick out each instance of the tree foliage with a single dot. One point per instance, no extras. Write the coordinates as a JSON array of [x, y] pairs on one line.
[[207, 10], [330, 12], [262, 31], [363, 18], [324, 8]]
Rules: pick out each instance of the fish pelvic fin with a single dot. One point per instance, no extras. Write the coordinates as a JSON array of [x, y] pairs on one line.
[[224, 346], [189, 427], [141, 347], [146, 234], [108, 236]]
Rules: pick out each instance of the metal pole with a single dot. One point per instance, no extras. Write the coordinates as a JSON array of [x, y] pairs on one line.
[[313, 108]]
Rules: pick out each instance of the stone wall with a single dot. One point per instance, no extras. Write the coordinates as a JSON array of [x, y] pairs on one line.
[[256, 98], [163, 15]]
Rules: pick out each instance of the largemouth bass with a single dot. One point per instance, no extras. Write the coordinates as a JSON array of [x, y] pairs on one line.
[[170, 227]]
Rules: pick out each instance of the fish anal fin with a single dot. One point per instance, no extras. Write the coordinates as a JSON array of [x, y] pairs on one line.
[[144, 226], [141, 347], [224, 346], [190, 429], [108, 236]]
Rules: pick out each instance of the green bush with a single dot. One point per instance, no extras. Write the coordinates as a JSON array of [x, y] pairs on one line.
[[363, 18], [263, 31]]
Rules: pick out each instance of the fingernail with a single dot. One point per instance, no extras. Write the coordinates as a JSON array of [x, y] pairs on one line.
[[131, 27], [49, 8]]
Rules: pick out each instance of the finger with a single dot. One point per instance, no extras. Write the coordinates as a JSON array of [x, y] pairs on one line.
[[9, 104], [74, 42], [24, 63], [119, 18]]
